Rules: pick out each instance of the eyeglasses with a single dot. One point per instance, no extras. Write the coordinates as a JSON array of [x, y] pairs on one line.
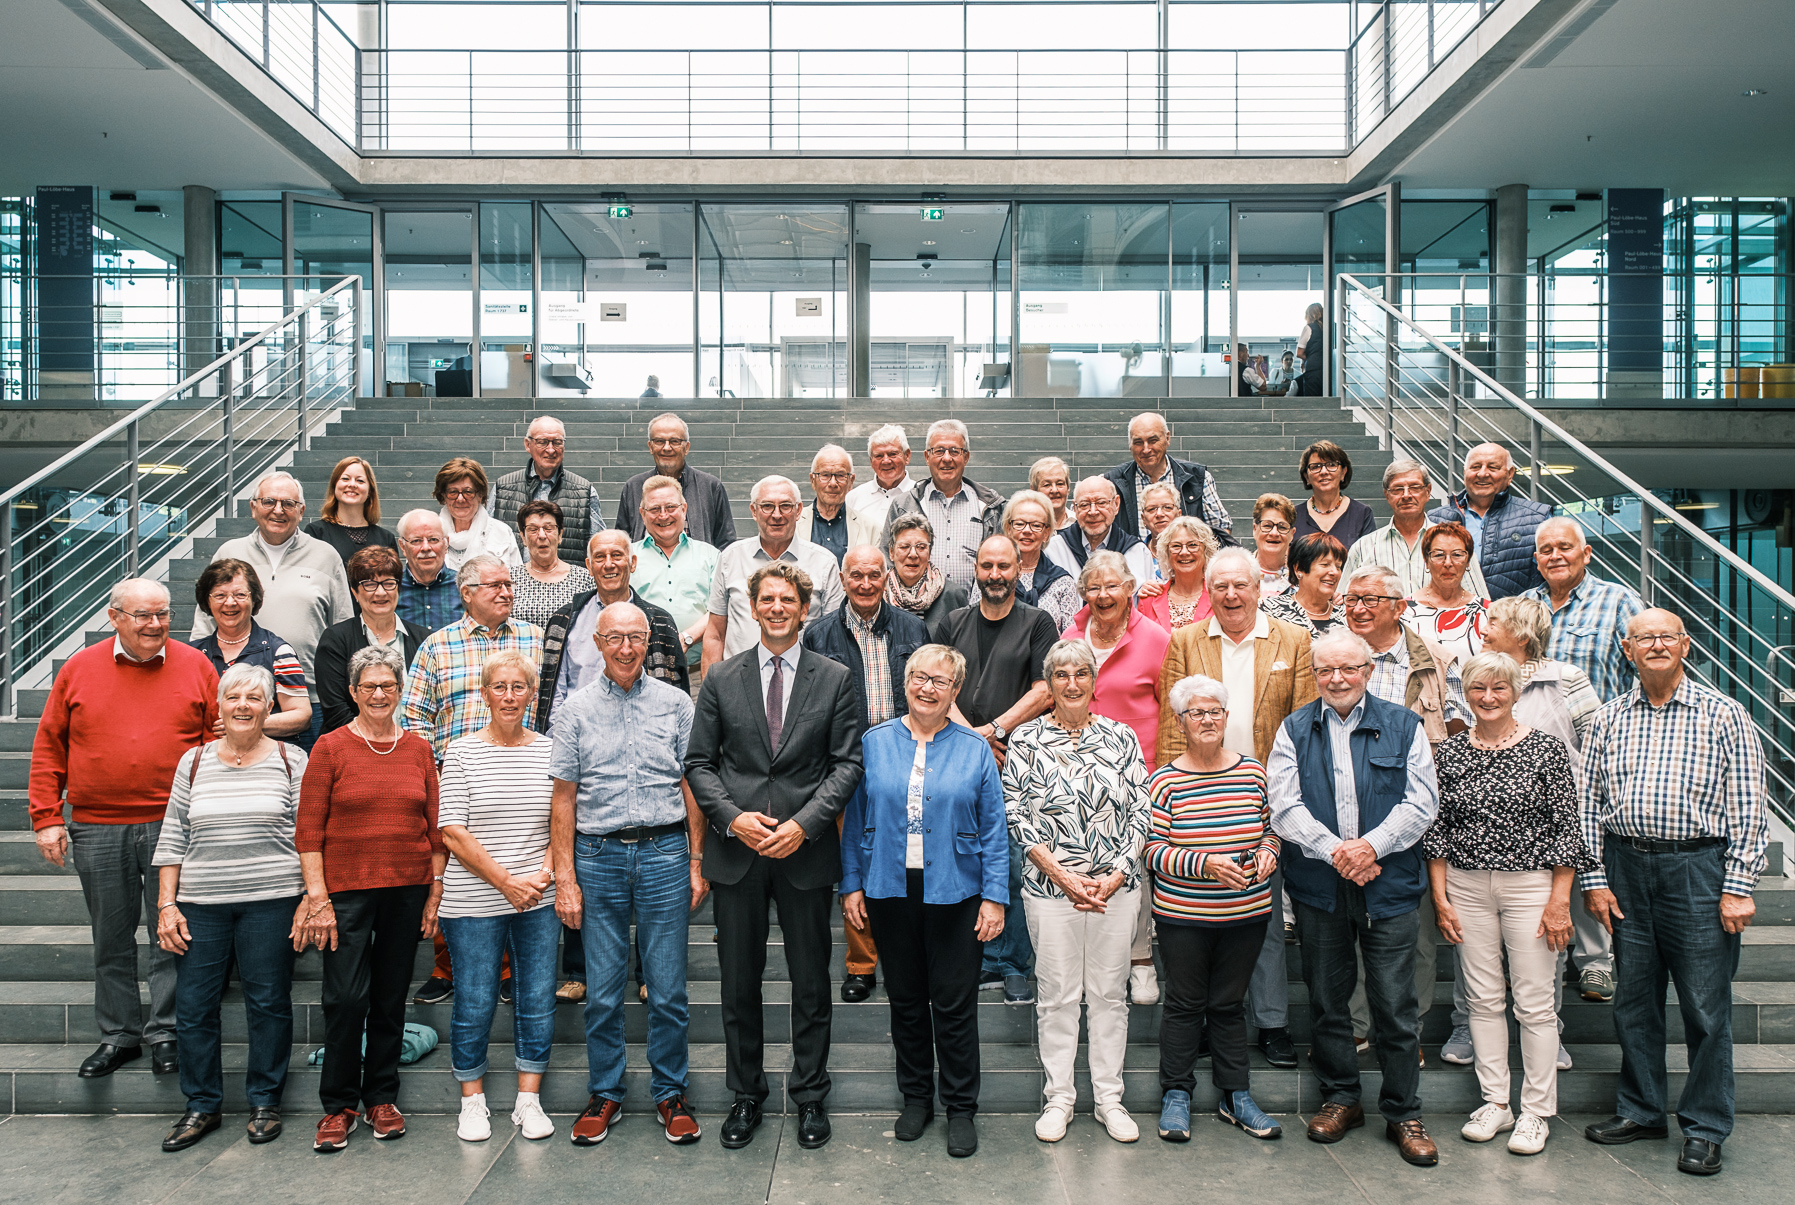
[[1205, 713], [911, 548], [377, 585], [1405, 491], [463, 492], [542, 529], [1183, 547], [781, 508], [1070, 675], [521, 689], [1649, 639], [919, 680], [1027, 525], [1090, 504], [377, 688], [617, 640], [502, 587], [219, 598], [279, 503], [550, 444], [674, 442], [665, 511], [832, 478], [1323, 466], [1342, 671], [1369, 600], [1280, 529], [1451, 558], [424, 541], [946, 450], [145, 616]]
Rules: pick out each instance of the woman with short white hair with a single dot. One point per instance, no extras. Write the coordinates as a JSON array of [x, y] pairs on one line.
[[1050, 477], [1028, 520], [1212, 853], [1501, 856]]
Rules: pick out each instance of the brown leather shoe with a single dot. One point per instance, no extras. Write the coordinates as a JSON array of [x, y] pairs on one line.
[[591, 1126], [1332, 1122], [387, 1122], [1411, 1139]]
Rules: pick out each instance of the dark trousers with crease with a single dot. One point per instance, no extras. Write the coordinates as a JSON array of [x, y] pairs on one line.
[[740, 910], [367, 979], [932, 954]]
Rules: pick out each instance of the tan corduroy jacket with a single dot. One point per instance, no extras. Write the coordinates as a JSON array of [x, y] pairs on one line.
[[1283, 679]]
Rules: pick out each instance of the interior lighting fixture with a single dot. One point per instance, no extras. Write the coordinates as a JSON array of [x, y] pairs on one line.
[[1546, 470], [152, 469], [1754, 92], [1698, 506]]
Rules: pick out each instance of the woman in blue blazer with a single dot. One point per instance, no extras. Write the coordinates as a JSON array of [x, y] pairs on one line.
[[925, 861]]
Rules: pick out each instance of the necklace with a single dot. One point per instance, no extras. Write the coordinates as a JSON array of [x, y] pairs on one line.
[[241, 640], [238, 754], [492, 738], [1504, 741], [1338, 503], [370, 744]]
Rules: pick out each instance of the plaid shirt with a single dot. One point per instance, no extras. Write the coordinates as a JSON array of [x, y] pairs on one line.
[[959, 530], [1691, 768], [432, 607], [1390, 680], [1212, 498], [875, 655], [1385, 546], [442, 692], [1587, 630]]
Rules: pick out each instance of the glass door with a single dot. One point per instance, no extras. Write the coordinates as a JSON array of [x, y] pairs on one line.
[[1278, 273], [432, 302], [327, 239]]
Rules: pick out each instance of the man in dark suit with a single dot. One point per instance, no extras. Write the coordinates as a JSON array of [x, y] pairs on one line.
[[771, 781]]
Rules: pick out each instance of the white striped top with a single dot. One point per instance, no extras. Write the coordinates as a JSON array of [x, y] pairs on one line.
[[501, 796], [231, 832]]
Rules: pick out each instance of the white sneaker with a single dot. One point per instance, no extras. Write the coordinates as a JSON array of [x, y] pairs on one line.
[[1143, 987], [1051, 1125], [1488, 1122], [1115, 1119], [1530, 1135], [474, 1125], [529, 1117]]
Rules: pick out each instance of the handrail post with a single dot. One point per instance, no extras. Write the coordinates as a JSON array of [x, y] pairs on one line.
[[230, 440], [355, 293], [304, 383], [134, 477], [1454, 383], [1538, 469], [6, 675], [1645, 551]]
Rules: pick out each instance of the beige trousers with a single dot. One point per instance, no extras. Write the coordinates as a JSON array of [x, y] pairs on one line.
[[1500, 910]]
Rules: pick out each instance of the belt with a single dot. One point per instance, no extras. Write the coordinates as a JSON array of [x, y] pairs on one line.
[[643, 832], [1651, 845]]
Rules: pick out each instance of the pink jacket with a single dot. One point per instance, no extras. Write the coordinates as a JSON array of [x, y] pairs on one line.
[[1128, 683], [1159, 609]]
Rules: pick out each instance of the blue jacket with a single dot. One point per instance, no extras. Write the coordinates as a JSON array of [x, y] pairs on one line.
[[904, 633], [965, 839], [1505, 551], [1380, 759]]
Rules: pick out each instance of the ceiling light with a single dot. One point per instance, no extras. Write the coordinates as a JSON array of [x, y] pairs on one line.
[[1547, 470], [785, 242], [1698, 506], [151, 469], [1754, 92], [969, 231], [928, 242]]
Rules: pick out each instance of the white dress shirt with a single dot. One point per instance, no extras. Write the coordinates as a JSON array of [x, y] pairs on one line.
[[1238, 673], [789, 672]]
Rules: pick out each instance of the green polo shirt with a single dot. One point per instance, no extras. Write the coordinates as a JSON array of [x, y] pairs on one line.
[[680, 583]]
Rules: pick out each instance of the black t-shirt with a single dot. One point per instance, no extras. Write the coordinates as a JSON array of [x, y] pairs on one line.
[[1003, 659]]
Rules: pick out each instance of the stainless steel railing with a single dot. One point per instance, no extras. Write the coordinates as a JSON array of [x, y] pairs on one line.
[[131, 495], [1419, 390]]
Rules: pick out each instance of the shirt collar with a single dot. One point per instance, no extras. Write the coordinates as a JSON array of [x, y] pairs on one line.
[[935, 490], [444, 577], [120, 655], [763, 654], [470, 625], [1683, 694], [1165, 476], [1351, 719], [1261, 627], [648, 545], [1398, 652], [611, 687], [531, 475], [855, 623]]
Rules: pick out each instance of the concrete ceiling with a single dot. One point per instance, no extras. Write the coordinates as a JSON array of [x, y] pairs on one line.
[[88, 102], [1648, 95]]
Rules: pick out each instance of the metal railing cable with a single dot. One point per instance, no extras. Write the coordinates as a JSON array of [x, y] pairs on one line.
[[133, 492], [1417, 388]]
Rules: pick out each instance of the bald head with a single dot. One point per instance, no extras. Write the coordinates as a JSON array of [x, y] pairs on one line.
[[1094, 504], [1657, 645], [622, 639], [611, 560], [1488, 471]]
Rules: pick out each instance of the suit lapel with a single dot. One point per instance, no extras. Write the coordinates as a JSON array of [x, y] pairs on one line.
[[755, 701], [1264, 653], [797, 695]]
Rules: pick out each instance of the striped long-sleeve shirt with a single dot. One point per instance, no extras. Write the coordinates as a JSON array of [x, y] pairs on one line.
[[1198, 816], [230, 828]]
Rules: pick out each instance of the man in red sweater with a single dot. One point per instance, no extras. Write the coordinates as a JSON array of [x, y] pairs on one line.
[[119, 718]]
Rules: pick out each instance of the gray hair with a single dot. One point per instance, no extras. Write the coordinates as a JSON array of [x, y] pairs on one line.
[[836, 449], [545, 418], [1185, 525], [1197, 686], [1069, 653], [1228, 556], [1557, 521], [1024, 496], [761, 486], [890, 433], [1153, 416], [1161, 487], [1340, 638], [1383, 573], [372, 656], [1402, 465], [1039, 468], [131, 585], [1527, 620], [951, 426], [1488, 664], [1098, 562], [685, 432], [280, 475], [242, 673], [468, 576], [911, 521], [412, 516], [945, 654]]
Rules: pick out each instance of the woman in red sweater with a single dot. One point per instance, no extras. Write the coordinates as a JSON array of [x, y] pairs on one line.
[[373, 863]]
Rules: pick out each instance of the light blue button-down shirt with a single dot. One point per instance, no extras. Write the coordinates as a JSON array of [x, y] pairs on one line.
[[1407, 822], [627, 752]]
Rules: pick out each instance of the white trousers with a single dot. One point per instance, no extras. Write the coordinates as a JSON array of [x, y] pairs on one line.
[[1142, 947], [1082, 957], [1501, 910]]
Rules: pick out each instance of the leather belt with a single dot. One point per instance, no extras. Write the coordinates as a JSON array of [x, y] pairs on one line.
[[643, 832], [1651, 845]]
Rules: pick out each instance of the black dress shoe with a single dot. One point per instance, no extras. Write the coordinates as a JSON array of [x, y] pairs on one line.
[[1700, 1157], [264, 1124], [107, 1059], [1618, 1130], [164, 1058], [813, 1125], [1276, 1046], [855, 988], [912, 1122], [962, 1137], [738, 1128], [190, 1129]]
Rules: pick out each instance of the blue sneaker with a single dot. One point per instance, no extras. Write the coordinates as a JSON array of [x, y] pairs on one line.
[[1174, 1116], [1238, 1108]]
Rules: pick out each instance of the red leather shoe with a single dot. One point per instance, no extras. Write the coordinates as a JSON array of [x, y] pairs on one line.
[[591, 1126], [676, 1118], [387, 1121]]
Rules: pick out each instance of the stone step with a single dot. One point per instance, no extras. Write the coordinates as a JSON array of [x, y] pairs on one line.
[[16, 735]]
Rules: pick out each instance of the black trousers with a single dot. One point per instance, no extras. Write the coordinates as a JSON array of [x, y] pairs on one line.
[[932, 954], [1207, 970], [367, 979], [740, 910]]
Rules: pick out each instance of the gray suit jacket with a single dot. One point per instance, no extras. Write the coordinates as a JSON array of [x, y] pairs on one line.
[[732, 767]]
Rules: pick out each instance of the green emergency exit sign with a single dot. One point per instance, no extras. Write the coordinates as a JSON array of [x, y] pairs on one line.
[[620, 211], [933, 213]]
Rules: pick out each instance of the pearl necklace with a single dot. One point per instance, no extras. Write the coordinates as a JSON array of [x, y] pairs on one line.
[[370, 744]]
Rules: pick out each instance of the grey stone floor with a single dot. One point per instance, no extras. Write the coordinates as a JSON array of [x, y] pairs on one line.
[[116, 1160]]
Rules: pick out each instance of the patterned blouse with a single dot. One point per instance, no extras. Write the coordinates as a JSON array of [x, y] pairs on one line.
[[1456, 629], [1061, 602], [1507, 809], [1284, 605], [534, 601], [1082, 794]]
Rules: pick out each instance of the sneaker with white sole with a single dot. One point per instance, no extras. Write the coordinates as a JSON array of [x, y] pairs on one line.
[[1051, 1125], [1530, 1135], [475, 1124], [1115, 1119], [1458, 1048], [1488, 1122], [1564, 1058], [1238, 1108], [1143, 985], [529, 1118]]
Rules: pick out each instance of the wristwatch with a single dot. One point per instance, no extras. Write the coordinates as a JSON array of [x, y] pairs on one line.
[[999, 731]]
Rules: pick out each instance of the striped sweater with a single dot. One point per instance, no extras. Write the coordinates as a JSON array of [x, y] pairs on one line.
[[1199, 816], [230, 828]]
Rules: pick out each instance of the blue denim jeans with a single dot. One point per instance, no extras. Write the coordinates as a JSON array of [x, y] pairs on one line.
[[1012, 953], [258, 934], [476, 945], [1672, 932], [654, 879]]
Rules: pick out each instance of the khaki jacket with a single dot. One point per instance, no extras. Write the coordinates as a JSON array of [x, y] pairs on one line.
[[1283, 680], [1425, 694]]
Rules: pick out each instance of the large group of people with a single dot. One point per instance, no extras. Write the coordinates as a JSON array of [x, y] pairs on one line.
[[1083, 745]]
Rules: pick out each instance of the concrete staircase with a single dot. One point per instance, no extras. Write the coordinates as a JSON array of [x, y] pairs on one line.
[[46, 963]]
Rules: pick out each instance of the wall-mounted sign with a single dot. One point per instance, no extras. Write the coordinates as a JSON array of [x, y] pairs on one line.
[[621, 211], [933, 213], [564, 311], [613, 311], [506, 307], [810, 307]]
